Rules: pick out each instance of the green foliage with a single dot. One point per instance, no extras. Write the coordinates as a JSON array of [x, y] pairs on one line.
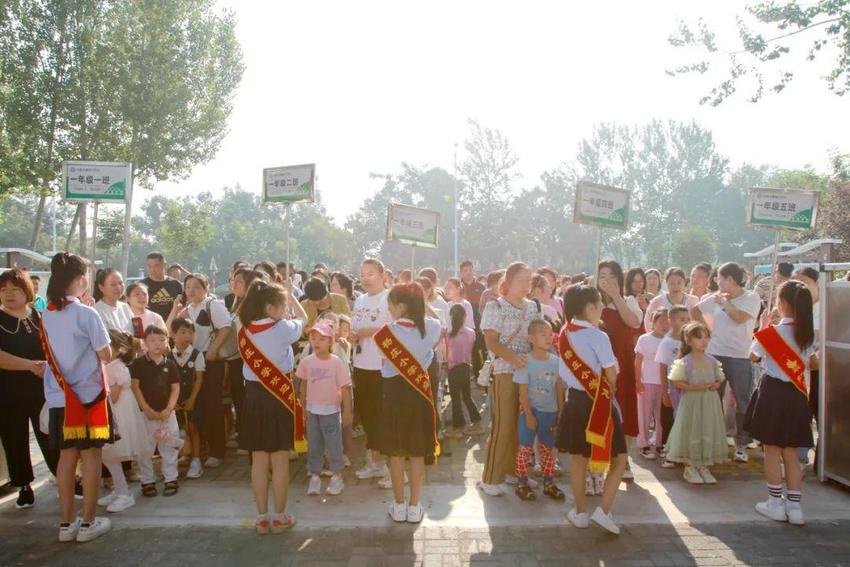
[[826, 24], [186, 229], [110, 231], [691, 245]]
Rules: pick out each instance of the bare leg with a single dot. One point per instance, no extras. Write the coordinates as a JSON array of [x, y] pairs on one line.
[[772, 470], [260, 480], [195, 441], [793, 474], [91, 480], [612, 481], [65, 474], [417, 477], [578, 465], [397, 476], [280, 479]]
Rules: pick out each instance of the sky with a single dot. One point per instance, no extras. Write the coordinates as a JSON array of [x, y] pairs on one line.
[[360, 87]]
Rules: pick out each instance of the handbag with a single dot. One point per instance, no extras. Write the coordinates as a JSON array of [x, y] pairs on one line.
[[228, 348], [44, 419], [485, 373]]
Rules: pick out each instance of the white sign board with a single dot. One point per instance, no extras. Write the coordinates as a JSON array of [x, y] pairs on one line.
[[100, 181], [289, 184], [412, 225], [782, 208], [601, 205]]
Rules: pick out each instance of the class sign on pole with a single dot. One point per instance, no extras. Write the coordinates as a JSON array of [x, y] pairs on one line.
[[602, 206], [289, 184], [782, 208], [414, 226]]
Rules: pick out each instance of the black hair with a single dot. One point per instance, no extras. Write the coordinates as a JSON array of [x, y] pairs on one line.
[[577, 298], [344, 282], [315, 289], [630, 277], [808, 271], [692, 329], [734, 271], [154, 330], [122, 345], [260, 293], [156, 256], [128, 291], [797, 295], [100, 279], [64, 268], [270, 270], [785, 269], [181, 323], [674, 271], [412, 296], [458, 316], [656, 315], [704, 267], [616, 269], [712, 280], [535, 323], [201, 278]]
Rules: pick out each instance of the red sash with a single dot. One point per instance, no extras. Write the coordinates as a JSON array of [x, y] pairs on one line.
[[600, 425], [80, 422], [277, 382], [409, 369], [785, 357]]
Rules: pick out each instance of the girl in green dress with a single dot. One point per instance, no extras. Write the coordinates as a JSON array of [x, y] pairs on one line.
[[698, 437]]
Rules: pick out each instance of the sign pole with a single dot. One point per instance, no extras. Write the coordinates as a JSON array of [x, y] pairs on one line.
[[598, 248], [412, 262], [454, 186], [128, 213], [773, 266], [288, 212], [94, 245]]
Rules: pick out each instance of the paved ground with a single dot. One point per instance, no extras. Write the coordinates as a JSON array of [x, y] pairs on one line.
[[665, 522]]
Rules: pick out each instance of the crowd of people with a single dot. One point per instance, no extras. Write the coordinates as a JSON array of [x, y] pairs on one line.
[[110, 376]]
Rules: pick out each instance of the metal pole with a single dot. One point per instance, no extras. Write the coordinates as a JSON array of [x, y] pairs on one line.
[[94, 245], [413, 262], [598, 248], [288, 222], [53, 199], [128, 213], [454, 178], [773, 269]]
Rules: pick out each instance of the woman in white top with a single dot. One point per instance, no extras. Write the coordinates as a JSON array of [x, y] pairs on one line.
[[137, 299], [541, 292], [675, 279], [108, 289], [734, 310]]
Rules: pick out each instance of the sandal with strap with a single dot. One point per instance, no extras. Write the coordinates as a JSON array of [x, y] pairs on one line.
[[149, 490], [170, 488], [552, 491], [280, 525], [525, 493], [262, 526]]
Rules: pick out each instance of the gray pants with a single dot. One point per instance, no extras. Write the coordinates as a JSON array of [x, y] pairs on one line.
[[739, 376], [324, 433]]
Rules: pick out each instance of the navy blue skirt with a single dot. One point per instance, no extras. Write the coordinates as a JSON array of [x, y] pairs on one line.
[[779, 415]]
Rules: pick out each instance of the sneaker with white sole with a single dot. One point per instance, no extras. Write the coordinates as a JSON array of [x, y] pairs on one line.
[[490, 489], [795, 515], [326, 472], [120, 503], [69, 532], [579, 520], [665, 464], [398, 511], [706, 475], [511, 479], [335, 485], [26, 498], [415, 513], [648, 453], [107, 500], [346, 461], [315, 487], [741, 455], [196, 469], [692, 476], [387, 482], [93, 530], [604, 520], [773, 508], [372, 470], [212, 463]]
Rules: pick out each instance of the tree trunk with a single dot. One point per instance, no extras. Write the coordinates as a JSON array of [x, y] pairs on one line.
[[73, 228], [83, 248]]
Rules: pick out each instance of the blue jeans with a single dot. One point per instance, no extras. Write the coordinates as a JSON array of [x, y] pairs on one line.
[[739, 376], [324, 433], [545, 421]]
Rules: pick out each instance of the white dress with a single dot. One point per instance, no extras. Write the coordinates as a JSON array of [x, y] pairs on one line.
[[134, 442]]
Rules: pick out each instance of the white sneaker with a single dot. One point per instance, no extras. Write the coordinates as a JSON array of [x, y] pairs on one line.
[[692, 476], [706, 475], [373, 471], [665, 464], [107, 500], [387, 482], [773, 508], [511, 479], [94, 530], [598, 483], [212, 463], [326, 472], [795, 515], [581, 521], [741, 455], [69, 532], [490, 489], [730, 441], [414, 514], [121, 503], [196, 469], [604, 520], [346, 461], [398, 511], [315, 487], [366, 472], [335, 486]]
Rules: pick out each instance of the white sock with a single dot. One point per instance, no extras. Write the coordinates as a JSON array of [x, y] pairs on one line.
[[119, 481]]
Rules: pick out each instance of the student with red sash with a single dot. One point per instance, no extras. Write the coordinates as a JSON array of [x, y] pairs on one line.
[[778, 414], [408, 426], [274, 419], [590, 428], [76, 345]]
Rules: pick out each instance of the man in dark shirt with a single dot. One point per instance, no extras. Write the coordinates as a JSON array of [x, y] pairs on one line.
[[471, 289], [162, 290]]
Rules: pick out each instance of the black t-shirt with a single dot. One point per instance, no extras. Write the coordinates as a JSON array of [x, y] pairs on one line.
[[155, 380], [20, 338], [162, 295]]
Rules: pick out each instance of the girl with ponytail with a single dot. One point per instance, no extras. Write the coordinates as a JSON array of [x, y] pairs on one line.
[[778, 414], [459, 343]]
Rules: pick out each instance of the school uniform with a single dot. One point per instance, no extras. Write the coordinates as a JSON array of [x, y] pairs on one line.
[[407, 420], [594, 348], [75, 334], [189, 363], [155, 380], [778, 413], [370, 311], [269, 426]]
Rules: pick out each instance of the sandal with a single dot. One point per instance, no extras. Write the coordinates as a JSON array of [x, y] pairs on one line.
[[525, 493], [170, 488], [280, 525], [149, 490], [552, 491], [262, 526]]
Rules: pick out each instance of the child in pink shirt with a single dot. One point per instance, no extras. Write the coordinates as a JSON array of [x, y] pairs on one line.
[[459, 343], [327, 388]]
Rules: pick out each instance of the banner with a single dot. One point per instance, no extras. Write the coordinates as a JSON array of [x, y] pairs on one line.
[[782, 208], [101, 181], [412, 225], [601, 205], [289, 184]]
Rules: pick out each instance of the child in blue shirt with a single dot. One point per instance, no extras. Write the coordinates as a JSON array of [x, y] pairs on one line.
[[541, 396]]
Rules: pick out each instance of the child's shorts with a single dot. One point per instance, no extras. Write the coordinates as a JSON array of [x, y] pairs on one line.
[[546, 420]]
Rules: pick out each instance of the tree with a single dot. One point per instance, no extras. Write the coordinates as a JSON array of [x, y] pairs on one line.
[[186, 229], [691, 245], [110, 232], [825, 22]]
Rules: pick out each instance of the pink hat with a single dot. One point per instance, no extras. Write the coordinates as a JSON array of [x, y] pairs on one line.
[[323, 327]]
